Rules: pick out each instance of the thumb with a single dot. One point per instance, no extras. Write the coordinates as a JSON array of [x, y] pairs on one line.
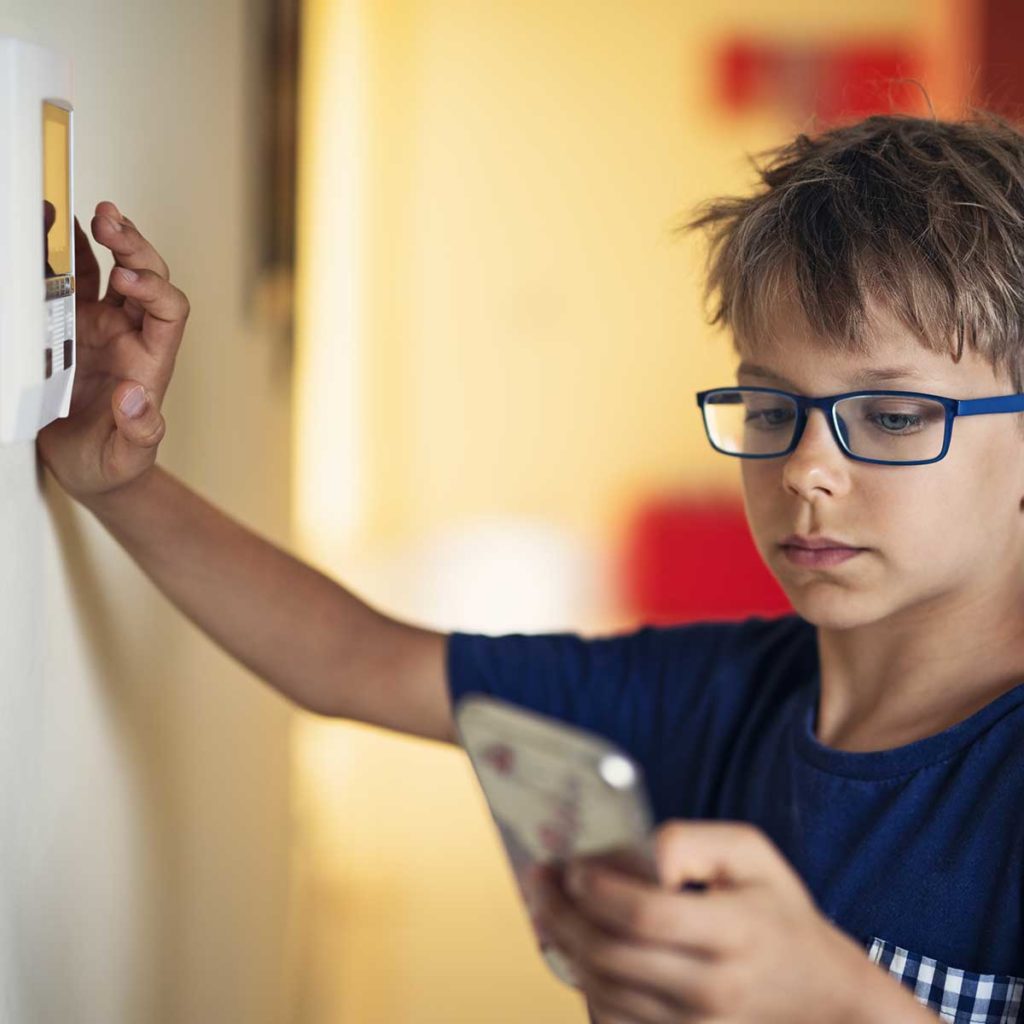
[[138, 420], [716, 853]]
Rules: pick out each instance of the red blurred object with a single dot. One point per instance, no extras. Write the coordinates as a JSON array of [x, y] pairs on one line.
[[999, 78], [845, 81], [693, 559]]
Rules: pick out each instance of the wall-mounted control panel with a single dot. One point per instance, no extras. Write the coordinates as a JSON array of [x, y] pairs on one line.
[[37, 239]]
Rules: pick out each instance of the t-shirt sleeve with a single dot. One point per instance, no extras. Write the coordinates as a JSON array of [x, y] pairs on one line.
[[669, 696]]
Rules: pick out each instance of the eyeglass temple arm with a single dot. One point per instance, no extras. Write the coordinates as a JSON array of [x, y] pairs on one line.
[[1001, 403]]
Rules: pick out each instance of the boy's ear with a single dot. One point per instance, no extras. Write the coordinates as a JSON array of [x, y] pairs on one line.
[[1020, 423]]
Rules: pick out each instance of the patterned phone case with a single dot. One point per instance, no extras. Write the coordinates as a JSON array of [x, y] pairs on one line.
[[556, 791]]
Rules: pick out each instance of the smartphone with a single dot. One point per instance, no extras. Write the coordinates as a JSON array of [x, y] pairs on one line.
[[556, 791]]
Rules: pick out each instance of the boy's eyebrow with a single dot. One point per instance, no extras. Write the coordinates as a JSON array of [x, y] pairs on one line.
[[867, 377]]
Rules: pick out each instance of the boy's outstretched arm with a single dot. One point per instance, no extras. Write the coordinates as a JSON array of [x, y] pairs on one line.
[[308, 637], [303, 633]]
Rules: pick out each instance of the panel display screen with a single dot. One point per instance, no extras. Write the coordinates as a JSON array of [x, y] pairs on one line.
[[56, 189]]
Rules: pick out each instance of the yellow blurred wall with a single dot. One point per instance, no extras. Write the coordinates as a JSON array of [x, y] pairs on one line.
[[495, 319], [530, 335]]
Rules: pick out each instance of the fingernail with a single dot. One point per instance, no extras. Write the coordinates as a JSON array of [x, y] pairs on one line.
[[128, 275], [113, 223], [134, 402]]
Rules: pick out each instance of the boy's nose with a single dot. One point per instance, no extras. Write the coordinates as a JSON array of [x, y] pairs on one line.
[[817, 464]]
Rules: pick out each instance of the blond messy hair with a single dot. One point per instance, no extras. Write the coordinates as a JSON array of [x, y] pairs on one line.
[[923, 216]]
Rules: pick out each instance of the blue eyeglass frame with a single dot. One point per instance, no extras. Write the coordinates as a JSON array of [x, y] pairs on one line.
[[954, 407]]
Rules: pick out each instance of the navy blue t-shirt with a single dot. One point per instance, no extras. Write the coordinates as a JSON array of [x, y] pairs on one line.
[[917, 852]]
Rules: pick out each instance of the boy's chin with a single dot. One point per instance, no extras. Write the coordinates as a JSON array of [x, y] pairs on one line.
[[834, 609]]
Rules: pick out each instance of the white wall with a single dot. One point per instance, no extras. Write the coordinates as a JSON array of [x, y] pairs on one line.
[[143, 776]]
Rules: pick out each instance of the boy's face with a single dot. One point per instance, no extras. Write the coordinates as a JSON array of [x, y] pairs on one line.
[[935, 536]]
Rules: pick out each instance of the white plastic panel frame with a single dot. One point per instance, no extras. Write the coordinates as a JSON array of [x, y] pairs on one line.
[[31, 76]]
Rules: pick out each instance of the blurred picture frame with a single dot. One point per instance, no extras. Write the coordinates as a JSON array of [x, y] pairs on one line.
[[274, 48]]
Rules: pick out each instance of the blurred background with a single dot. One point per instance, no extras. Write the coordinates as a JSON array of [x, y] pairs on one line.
[[444, 346]]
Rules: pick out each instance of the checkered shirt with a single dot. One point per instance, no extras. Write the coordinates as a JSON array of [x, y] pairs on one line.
[[959, 997]]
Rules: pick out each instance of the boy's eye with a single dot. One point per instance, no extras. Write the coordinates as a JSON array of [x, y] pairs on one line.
[[897, 421], [904, 417], [774, 417]]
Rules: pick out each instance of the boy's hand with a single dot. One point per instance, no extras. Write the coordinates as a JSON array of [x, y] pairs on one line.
[[750, 949], [127, 344]]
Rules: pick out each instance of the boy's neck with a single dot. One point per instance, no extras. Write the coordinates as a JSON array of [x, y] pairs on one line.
[[893, 682]]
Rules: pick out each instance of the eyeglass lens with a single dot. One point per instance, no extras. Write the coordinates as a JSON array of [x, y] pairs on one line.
[[890, 428]]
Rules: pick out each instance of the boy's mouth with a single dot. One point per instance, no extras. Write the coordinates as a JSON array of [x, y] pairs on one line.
[[815, 542], [817, 551]]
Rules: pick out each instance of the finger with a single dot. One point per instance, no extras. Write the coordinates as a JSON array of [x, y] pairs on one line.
[[613, 1003], [165, 308], [699, 923], [87, 269], [132, 255], [718, 853], [140, 428], [125, 241], [668, 972], [101, 228], [132, 249]]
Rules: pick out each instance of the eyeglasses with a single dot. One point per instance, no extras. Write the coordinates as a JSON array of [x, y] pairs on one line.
[[904, 428]]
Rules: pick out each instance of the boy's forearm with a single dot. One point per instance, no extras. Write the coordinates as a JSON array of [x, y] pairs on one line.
[[290, 624]]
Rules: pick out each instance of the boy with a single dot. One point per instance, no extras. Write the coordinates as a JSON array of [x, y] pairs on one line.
[[857, 768]]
